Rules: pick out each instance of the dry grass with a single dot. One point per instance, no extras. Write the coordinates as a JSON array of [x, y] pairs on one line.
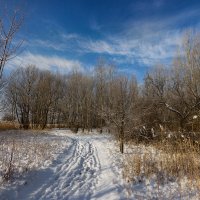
[[21, 152], [164, 163], [8, 126]]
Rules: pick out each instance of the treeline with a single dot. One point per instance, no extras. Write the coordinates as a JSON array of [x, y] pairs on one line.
[[37, 98], [168, 100]]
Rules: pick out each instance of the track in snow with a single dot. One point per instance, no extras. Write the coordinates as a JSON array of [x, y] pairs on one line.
[[75, 177], [83, 171]]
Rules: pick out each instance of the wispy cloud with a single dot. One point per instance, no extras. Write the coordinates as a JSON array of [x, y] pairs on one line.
[[62, 42], [136, 50], [69, 36], [145, 27], [143, 41], [46, 44], [144, 50], [97, 46], [46, 62]]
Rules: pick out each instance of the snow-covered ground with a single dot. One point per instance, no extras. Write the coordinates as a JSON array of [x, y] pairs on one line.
[[83, 167], [86, 169]]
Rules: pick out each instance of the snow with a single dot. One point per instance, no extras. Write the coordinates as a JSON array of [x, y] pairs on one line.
[[88, 166], [195, 117], [158, 186], [84, 170]]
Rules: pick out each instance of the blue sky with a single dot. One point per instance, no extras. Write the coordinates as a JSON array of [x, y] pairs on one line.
[[133, 34]]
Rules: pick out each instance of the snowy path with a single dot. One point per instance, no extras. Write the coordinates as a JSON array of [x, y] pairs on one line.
[[84, 170]]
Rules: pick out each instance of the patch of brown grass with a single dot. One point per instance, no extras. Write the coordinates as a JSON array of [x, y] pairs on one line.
[[164, 162], [8, 126]]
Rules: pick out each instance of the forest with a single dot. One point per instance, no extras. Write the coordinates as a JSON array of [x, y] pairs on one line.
[[167, 101]]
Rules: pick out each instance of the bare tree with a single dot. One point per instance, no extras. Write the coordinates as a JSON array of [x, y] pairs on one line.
[[100, 83], [10, 25], [20, 92], [154, 92], [177, 90], [119, 107]]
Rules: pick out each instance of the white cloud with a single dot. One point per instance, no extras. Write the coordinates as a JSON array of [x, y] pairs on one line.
[[62, 42], [146, 41], [46, 62], [69, 36], [148, 51], [96, 46], [47, 44]]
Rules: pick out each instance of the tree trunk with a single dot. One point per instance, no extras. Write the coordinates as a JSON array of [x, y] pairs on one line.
[[182, 124], [121, 145], [121, 135]]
